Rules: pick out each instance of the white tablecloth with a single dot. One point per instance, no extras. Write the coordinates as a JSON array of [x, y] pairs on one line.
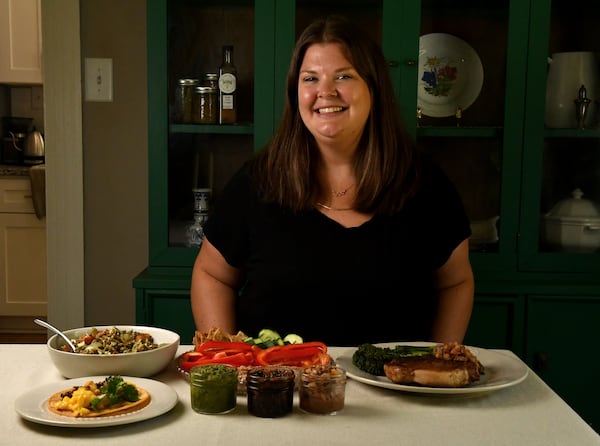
[[529, 413]]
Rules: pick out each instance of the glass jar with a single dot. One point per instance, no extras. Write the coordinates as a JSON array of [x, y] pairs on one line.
[[205, 105], [195, 231], [213, 388], [270, 391], [184, 95], [211, 80], [322, 389]]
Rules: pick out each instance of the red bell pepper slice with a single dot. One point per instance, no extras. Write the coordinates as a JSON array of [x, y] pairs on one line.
[[209, 346], [218, 352], [189, 360], [302, 355], [192, 359]]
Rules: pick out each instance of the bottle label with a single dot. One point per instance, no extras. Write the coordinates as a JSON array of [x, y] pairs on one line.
[[227, 102], [227, 83]]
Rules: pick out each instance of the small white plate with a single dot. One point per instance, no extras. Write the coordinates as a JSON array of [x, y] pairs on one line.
[[450, 75], [501, 371], [33, 405]]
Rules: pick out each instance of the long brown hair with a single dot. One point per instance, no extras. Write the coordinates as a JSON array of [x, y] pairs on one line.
[[386, 165]]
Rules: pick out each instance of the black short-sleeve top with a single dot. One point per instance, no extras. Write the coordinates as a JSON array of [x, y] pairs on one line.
[[305, 273]]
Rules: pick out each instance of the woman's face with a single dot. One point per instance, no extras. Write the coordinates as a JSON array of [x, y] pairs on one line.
[[334, 101]]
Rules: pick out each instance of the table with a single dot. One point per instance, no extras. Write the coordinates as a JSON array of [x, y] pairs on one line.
[[529, 413]]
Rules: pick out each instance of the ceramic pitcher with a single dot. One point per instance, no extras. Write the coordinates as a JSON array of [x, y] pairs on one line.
[[567, 72]]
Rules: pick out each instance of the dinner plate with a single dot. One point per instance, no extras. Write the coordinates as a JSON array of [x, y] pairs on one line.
[[32, 405], [501, 370], [450, 75]]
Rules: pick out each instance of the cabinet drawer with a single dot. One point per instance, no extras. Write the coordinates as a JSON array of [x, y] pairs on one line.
[[15, 195], [23, 280]]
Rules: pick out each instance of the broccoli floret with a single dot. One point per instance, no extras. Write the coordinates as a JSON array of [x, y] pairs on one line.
[[371, 359]]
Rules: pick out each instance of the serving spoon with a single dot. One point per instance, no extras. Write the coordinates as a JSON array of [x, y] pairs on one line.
[[57, 331]]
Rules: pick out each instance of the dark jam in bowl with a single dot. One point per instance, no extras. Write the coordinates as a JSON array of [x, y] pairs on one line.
[[270, 391], [322, 389]]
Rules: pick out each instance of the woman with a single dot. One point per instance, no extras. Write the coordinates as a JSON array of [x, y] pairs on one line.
[[338, 230]]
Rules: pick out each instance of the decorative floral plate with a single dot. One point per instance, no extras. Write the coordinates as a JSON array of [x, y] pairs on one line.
[[450, 75]]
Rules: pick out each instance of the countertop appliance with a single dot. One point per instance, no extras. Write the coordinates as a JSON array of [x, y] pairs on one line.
[[14, 136]]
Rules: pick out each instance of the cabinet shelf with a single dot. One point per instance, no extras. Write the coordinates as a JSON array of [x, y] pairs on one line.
[[572, 133], [237, 129], [460, 132]]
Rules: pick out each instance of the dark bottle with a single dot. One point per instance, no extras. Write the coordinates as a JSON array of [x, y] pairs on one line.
[[227, 88]]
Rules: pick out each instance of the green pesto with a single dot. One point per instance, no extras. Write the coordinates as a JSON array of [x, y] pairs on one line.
[[213, 388]]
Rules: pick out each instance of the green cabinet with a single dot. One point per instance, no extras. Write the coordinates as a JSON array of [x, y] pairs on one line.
[[562, 332], [471, 80]]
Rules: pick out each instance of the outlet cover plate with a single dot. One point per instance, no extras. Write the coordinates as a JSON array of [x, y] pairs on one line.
[[98, 80]]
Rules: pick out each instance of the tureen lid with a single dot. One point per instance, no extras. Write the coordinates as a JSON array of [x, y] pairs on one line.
[[577, 207]]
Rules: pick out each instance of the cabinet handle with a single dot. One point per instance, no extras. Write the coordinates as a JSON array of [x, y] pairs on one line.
[[394, 63], [540, 361]]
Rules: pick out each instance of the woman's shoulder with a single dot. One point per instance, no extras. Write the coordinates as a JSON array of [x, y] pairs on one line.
[[432, 175], [240, 190], [436, 191], [244, 177]]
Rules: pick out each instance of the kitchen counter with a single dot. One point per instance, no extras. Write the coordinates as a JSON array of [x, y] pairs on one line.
[[9, 170], [529, 413]]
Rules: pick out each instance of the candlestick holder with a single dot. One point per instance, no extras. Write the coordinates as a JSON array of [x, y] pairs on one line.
[[195, 231], [581, 106]]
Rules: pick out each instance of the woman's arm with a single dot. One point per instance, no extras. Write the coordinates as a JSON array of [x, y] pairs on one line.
[[214, 290], [456, 287]]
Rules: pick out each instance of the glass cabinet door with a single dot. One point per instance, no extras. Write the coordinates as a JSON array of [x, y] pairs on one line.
[[459, 72], [561, 176], [190, 148], [471, 74]]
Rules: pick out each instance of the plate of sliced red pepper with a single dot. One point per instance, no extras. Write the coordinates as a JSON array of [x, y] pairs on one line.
[[243, 354]]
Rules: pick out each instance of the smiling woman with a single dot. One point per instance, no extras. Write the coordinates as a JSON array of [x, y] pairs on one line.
[[337, 214], [333, 100]]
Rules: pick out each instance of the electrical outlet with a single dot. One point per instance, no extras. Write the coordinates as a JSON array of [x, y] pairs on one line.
[[98, 80], [37, 98]]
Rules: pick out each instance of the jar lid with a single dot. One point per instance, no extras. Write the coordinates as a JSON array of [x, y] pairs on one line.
[[188, 81], [211, 76], [203, 89], [576, 207]]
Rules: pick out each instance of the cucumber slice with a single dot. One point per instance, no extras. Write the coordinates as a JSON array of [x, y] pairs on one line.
[[268, 335], [293, 339]]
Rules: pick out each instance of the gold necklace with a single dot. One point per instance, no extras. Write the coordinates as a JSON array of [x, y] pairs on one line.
[[340, 193], [329, 208]]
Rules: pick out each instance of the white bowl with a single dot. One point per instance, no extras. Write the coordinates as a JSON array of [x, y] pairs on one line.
[[142, 364], [573, 224]]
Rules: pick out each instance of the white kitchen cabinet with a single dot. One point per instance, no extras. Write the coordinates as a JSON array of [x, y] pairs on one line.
[[23, 283], [20, 42]]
